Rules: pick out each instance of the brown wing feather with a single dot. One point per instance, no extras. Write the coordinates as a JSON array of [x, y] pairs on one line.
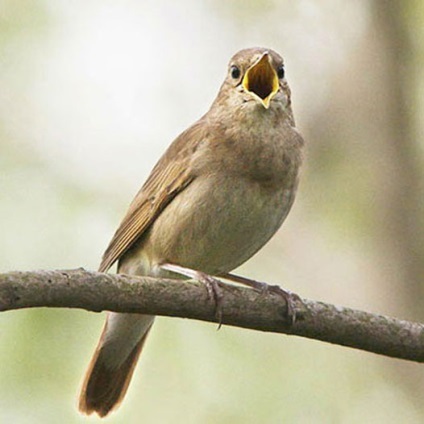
[[170, 176]]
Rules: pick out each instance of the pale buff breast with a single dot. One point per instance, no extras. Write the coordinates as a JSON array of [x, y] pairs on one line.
[[216, 224]]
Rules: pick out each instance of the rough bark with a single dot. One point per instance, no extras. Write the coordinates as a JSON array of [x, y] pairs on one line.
[[241, 307]]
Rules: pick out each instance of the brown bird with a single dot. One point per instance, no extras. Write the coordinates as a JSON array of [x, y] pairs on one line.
[[217, 195]]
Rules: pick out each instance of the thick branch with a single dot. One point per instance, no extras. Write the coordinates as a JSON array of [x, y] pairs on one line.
[[242, 307]]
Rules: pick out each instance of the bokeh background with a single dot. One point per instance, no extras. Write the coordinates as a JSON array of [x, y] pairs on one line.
[[92, 92]]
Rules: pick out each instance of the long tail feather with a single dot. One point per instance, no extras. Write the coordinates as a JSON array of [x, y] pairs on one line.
[[112, 366]]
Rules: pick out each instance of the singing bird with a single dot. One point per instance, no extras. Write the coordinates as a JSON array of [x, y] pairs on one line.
[[217, 195]]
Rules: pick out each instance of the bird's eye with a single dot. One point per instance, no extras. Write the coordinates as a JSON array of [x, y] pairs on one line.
[[235, 72], [281, 72]]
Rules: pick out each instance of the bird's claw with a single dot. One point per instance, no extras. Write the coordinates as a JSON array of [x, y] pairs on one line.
[[214, 294], [289, 297]]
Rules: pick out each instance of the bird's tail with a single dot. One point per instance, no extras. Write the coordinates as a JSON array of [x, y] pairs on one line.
[[111, 368]]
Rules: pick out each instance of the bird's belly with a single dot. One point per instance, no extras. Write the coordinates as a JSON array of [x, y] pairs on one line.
[[216, 224]]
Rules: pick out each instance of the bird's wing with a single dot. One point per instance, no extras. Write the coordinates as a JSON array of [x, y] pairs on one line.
[[172, 174]]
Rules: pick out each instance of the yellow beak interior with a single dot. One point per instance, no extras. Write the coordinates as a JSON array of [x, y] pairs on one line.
[[261, 80]]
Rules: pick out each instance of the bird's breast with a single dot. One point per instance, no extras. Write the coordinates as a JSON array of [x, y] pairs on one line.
[[217, 223], [262, 152]]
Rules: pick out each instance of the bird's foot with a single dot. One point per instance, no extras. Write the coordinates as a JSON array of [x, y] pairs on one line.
[[265, 288], [212, 285], [214, 293]]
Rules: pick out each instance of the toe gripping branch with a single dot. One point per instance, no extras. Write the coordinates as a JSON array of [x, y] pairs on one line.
[[215, 294]]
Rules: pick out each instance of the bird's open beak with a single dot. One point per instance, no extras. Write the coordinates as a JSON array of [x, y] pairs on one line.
[[261, 80]]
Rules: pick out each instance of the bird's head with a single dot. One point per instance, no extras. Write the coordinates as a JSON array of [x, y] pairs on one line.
[[255, 81]]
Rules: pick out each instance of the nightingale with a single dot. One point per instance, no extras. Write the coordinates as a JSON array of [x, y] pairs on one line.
[[216, 196]]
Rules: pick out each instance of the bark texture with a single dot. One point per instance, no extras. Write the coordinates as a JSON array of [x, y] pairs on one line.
[[241, 307]]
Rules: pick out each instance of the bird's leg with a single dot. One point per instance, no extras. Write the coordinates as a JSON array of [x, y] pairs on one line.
[[211, 283], [265, 288]]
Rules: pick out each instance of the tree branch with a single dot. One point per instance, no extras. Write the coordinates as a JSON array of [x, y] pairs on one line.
[[242, 307]]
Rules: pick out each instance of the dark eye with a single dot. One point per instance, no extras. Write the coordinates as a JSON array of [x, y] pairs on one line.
[[235, 72], [281, 72]]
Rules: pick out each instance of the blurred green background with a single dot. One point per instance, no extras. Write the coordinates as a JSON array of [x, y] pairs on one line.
[[92, 92]]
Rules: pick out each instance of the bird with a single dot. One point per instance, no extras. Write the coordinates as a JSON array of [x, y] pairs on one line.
[[220, 191]]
